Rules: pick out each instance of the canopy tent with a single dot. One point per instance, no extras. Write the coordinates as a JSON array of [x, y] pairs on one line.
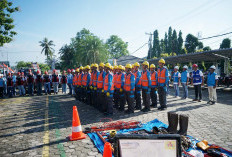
[[214, 55]]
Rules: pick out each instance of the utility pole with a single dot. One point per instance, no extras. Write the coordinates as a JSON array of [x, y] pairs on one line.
[[149, 44]]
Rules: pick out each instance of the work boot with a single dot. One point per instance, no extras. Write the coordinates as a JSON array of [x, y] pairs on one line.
[[172, 122], [183, 122]]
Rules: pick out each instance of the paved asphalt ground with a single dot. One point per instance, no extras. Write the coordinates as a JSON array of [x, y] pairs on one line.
[[40, 125]]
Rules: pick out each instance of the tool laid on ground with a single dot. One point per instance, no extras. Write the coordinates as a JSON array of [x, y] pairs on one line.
[[104, 141], [118, 125]]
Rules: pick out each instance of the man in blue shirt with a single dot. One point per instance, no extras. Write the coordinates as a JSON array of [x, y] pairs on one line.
[[197, 82], [70, 81], [163, 79], [146, 87], [176, 80], [212, 81], [137, 75], [184, 81]]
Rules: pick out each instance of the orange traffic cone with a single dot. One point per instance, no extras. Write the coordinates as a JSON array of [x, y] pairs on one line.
[[77, 133], [107, 150]]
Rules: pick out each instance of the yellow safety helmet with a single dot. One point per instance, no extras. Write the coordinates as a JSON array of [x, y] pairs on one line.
[[137, 64], [92, 65], [108, 65], [162, 61], [133, 65], [112, 67], [115, 67], [129, 66], [152, 66], [101, 65], [77, 70], [96, 65], [123, 68], [120, 67], [146, 63], [81, 67], [87, 67]]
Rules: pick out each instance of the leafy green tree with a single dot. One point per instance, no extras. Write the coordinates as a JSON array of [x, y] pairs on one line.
[[169, 48], [180, 42], [207, 48], [162, 46], [47, 47], [184, 51], [200, 45], [6, 24], [226, 43], [67, 57], [44, 67], [191, 43], [116, 47], [22, 64], [156, 45], [175, 42], [89, 48], [165, 42]]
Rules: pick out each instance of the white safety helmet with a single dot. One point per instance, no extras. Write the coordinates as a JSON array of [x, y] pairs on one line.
[[213, 67], [176, 67], [185, 67]]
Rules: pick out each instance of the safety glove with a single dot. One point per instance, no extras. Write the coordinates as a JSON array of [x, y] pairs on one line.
[[95, 88], [121, 90], [91, 87], [102, 90], [107, 94]]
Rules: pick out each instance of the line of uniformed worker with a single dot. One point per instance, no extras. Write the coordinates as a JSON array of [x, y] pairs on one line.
[[106, 87]]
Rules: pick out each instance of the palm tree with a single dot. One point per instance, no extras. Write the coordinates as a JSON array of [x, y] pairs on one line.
[[47, 47]]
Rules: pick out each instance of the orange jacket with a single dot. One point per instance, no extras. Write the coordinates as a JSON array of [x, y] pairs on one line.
[[153, 79], [161, 75]]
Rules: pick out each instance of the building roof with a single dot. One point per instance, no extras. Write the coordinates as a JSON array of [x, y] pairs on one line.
[[128, 60], [213, 55]]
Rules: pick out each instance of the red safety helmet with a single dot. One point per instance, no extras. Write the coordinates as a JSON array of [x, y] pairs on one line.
[[69, 70], [22, 73], [46, 72], [38, 71], [54, 70], [195, 66], [18, 73]]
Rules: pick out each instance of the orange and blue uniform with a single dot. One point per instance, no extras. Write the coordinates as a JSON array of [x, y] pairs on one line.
[[119, 94], [162, 83], [146, 85], [108, 86], [138, 90], [129, 88], [154, 79]]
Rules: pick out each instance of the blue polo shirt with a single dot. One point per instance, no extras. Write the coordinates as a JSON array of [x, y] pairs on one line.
[[211, 79], [70, 78], [184, 76]]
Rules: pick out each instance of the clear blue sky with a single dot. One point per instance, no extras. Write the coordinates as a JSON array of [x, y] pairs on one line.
[[60, 20]]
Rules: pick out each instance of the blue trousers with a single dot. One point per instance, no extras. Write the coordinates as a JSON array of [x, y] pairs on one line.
[[70, 88], [176, 89], [31, 89], [64, 88], [47, 87], [185, 88]]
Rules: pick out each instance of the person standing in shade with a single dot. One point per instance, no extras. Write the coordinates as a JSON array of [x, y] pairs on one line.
[[95, 77], [47, 83], [163, 79], [86, 84], [55, 81], [119, 101], [137, 74], [100, 90], [154, 78], [184, 81], [212, 81], [146, 84], [108, 90], [10, 85], [129, 88], [70, 81], [19, 84], [79, 84], [197, 82], [38, 82], [64, 82], [2, 82], [30, 83], [176, 81]]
